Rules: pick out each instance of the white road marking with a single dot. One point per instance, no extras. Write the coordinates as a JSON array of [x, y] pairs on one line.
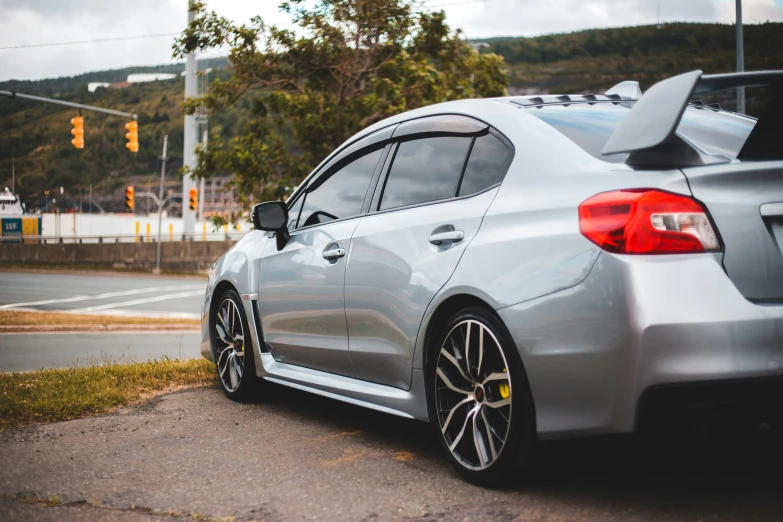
[[105, 296], [122, 304], [121, 313]]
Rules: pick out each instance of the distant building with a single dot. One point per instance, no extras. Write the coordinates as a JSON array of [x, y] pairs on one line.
[[94, 85], [141, 78]]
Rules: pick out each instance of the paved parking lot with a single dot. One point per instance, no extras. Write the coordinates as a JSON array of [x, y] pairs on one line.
[[292, 456]]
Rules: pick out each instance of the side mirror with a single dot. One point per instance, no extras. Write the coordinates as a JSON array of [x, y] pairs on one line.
[[272, 216]]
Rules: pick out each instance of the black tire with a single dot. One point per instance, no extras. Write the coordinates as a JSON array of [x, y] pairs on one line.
[[247, 385], [484, 465]]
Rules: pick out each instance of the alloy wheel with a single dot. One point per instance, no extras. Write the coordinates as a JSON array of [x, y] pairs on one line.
[[473, 395], [230, 345]]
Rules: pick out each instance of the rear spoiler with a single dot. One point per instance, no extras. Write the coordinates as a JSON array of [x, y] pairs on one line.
[[652, 123]]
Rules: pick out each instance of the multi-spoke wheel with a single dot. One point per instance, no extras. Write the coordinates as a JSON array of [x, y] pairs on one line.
[[485, 421], [233, 353]]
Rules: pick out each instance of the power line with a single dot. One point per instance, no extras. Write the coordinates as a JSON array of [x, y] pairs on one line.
[[463, 2], [119, 38]]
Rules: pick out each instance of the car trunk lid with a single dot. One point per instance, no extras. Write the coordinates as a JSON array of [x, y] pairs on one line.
[[745, 201]]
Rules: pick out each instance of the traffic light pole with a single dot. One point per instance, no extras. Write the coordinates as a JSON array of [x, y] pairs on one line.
[[160, 198], [12, 94]]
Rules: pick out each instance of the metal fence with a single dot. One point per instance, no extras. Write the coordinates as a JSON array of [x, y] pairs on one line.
[[131, 238]]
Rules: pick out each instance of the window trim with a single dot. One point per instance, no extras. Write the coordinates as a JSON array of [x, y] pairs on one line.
[[426, 136], [378, 182], [355, 155], [507, 165], [378, 194]]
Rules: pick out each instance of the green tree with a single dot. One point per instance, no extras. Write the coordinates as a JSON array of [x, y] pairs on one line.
[[349, 64]]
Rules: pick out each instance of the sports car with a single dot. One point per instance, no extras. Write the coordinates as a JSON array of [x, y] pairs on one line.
[[525, 268]]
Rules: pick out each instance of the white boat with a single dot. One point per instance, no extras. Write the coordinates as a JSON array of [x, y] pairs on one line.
[[10, 204]]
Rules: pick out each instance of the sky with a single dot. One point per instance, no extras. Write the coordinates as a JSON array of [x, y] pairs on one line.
[[31, 22]]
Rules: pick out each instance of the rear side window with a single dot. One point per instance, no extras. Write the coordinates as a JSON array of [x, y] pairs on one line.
[[425, 170], [488, 162], [342, 194]]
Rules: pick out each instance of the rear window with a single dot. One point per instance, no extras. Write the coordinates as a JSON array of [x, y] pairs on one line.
[[590, 126]]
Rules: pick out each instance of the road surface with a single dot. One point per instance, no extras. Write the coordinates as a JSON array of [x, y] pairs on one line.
[[97, 294], [23, 352], [295, 456], [103, 294]]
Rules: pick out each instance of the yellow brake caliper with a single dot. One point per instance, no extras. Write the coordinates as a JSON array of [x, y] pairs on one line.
[[505, 391]]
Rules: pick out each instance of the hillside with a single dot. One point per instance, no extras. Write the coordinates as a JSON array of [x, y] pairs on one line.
[[596, 59], [585, 61]]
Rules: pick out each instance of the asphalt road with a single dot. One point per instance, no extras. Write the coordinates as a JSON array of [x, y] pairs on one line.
[[22, 352], [291, 456], [102, 294], [97, 294]]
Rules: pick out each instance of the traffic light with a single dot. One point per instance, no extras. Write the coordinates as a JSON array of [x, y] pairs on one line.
[[78, 132], [194, 199], [129, 198], [132, 135]]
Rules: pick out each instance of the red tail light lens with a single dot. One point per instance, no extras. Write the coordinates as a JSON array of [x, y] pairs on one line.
[[647, 221]]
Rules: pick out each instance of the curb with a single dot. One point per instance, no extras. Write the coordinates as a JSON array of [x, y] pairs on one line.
[[48, 328]]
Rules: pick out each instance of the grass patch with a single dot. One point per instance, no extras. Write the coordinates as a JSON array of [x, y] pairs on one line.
[[62, 394], [14, 318]]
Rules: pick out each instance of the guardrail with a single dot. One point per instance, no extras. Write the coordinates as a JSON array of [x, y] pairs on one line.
[[127, 238]]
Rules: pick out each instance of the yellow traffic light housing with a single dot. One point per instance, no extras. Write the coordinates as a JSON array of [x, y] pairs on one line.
[[194, 199], [78, 132], [132, 136], [129, 198]]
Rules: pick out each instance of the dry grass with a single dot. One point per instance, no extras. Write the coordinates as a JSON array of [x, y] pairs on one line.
[[62, 394], [16, 318]]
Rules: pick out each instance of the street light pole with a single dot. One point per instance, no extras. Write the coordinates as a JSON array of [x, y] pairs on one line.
[[740, 59], [160, 198]]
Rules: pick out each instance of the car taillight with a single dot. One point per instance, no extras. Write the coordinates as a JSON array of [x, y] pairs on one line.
[[647, 221]]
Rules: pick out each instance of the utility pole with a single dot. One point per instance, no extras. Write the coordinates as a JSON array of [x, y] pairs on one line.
[[13, 172], [160, 198], [190, 137], [740, 59]]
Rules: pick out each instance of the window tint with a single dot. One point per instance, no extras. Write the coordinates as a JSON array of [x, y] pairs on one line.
[[425, 170], [293, 212], [341, 195], [486, 165]]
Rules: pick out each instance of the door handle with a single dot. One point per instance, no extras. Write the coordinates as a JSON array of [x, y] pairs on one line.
[[334, 253], [452, 235]]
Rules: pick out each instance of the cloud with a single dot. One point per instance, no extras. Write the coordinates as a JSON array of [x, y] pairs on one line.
[[41, 21], [529, 18]]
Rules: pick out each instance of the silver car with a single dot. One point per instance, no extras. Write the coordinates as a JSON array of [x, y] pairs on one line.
[[524, 268]]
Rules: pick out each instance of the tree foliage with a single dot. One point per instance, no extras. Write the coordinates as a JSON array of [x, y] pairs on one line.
[[349, 64]]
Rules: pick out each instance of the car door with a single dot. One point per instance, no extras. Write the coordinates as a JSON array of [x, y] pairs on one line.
[[438, 187], [301, 286]]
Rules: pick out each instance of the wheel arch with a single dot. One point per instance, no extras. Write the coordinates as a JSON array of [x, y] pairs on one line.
[[217, 292], [436, 324]]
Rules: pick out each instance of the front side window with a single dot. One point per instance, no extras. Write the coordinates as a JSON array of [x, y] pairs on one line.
[[342, 194], [486, 166], [425, 170], [293, 212]]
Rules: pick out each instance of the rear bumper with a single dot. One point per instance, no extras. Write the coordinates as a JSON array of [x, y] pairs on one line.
[[710, 406], [638, 323]]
